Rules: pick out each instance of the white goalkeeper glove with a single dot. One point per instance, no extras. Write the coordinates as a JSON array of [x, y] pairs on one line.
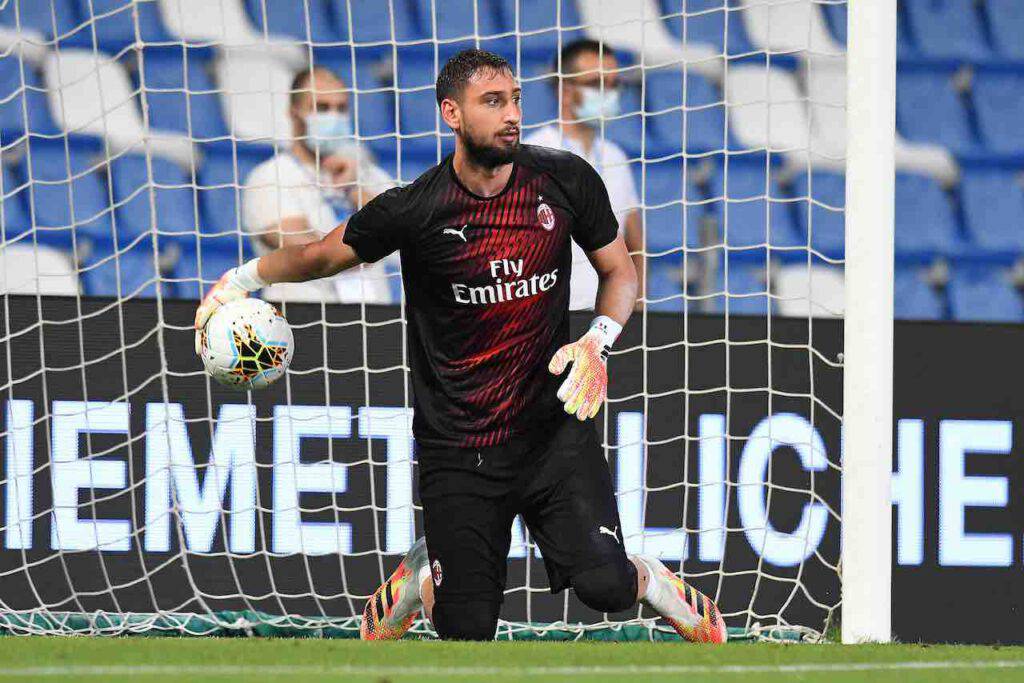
[[584, 390], [235, 284]]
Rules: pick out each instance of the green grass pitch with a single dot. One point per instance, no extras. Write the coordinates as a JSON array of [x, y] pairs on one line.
[[283, 660]]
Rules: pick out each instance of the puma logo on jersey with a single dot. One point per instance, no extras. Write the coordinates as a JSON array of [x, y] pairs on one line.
[[610, 532], [460, 232]]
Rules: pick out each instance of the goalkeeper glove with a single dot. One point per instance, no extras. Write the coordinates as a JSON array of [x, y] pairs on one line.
[[235, 284], [584, 390]]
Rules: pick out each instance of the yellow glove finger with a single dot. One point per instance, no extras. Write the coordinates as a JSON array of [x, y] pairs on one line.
[[591, 395], [561, 359], [572, 404], [571, 383], [199, 342]]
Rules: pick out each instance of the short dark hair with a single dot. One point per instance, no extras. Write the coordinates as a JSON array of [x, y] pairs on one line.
[[460, 68], [572, 50], [301, 80]]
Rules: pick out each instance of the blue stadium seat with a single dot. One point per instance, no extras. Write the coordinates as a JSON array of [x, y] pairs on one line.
[[129, 272], [993, 204], [929, 109], [664, 287], [549, 24], [115, 22], [1006, 23], [54, 20], [741, 291], [419, 122], [666, 217], [461, 19], [361, 68], [998, 102], [376, 120], [835, 15], [540, 102], [69, 201], [705, 21], [307, 21], [947, 29], [984, 294], [221, 181], [180, 94], [201, 264], [925, 221], [21, 92], [372, 20], [743, 218], [15, 221], [417, 106], [914, 298], [142, 187], [627, 129], [821, 216], [668, 90]]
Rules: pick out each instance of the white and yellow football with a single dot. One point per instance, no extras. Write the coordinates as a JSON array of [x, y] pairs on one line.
[[247, 344]]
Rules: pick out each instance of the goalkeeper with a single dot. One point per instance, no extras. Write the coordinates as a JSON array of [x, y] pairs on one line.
[[501, 398]]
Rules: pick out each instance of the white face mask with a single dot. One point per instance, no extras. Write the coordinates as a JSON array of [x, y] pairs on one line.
[[329, 132], [596, 104]]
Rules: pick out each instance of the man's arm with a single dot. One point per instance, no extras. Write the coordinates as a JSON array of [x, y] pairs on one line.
[[295, 263], [302, 262], [584, 390], [634, 234], [618, 283]]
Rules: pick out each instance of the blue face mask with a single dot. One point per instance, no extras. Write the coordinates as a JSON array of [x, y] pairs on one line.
[[596, 104], [329, 132]]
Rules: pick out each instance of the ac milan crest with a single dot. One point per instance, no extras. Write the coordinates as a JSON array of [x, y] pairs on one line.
[[435, 570], [545, 215]]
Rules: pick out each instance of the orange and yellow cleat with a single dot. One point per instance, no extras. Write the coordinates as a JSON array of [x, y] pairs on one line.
[[392, 609], [692, 614]]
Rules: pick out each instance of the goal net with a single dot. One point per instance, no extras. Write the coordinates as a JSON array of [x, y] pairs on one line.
[[139, 496]]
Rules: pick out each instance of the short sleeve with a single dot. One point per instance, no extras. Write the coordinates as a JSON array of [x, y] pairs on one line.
[[266, 200], [375, 230], [596, 225]]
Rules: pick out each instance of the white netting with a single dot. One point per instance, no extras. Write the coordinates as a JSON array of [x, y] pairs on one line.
[[135, 492]]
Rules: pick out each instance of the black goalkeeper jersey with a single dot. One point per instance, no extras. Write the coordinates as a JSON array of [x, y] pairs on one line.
[[487, 289]]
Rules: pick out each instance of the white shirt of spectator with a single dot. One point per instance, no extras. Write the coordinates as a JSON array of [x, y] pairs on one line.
[[284, 187], [613, 165]]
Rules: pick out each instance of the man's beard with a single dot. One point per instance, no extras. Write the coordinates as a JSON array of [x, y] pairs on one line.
[[488, 156]]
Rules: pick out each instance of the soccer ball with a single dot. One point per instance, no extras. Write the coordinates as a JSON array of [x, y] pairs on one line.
[[247, 344]]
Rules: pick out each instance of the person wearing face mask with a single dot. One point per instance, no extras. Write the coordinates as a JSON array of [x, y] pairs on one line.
[[588, 89], [300, 195]]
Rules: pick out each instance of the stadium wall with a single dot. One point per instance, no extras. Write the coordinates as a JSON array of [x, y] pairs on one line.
[[957, 479]]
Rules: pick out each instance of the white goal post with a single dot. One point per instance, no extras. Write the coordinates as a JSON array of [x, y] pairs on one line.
[[868, 339]]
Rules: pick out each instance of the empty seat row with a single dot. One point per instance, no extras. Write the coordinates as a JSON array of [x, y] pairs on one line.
[[970, 294], [929, 29], [670, 112]]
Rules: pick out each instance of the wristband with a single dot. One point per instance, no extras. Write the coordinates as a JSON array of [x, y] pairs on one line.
[[247, 276], [607, 328]]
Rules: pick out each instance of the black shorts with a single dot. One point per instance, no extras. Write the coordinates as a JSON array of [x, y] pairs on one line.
[[558, 481]]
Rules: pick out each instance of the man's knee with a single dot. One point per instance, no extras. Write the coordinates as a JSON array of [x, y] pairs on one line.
[[470, 620], [608, 588]]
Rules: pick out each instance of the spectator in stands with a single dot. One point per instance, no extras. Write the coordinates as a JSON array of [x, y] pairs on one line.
[[301, 194], [588, 85]]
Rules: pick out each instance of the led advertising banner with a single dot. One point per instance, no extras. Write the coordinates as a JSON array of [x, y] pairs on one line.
[[131, 483]]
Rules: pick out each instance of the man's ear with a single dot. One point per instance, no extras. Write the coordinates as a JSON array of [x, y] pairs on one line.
[[451, 114]]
